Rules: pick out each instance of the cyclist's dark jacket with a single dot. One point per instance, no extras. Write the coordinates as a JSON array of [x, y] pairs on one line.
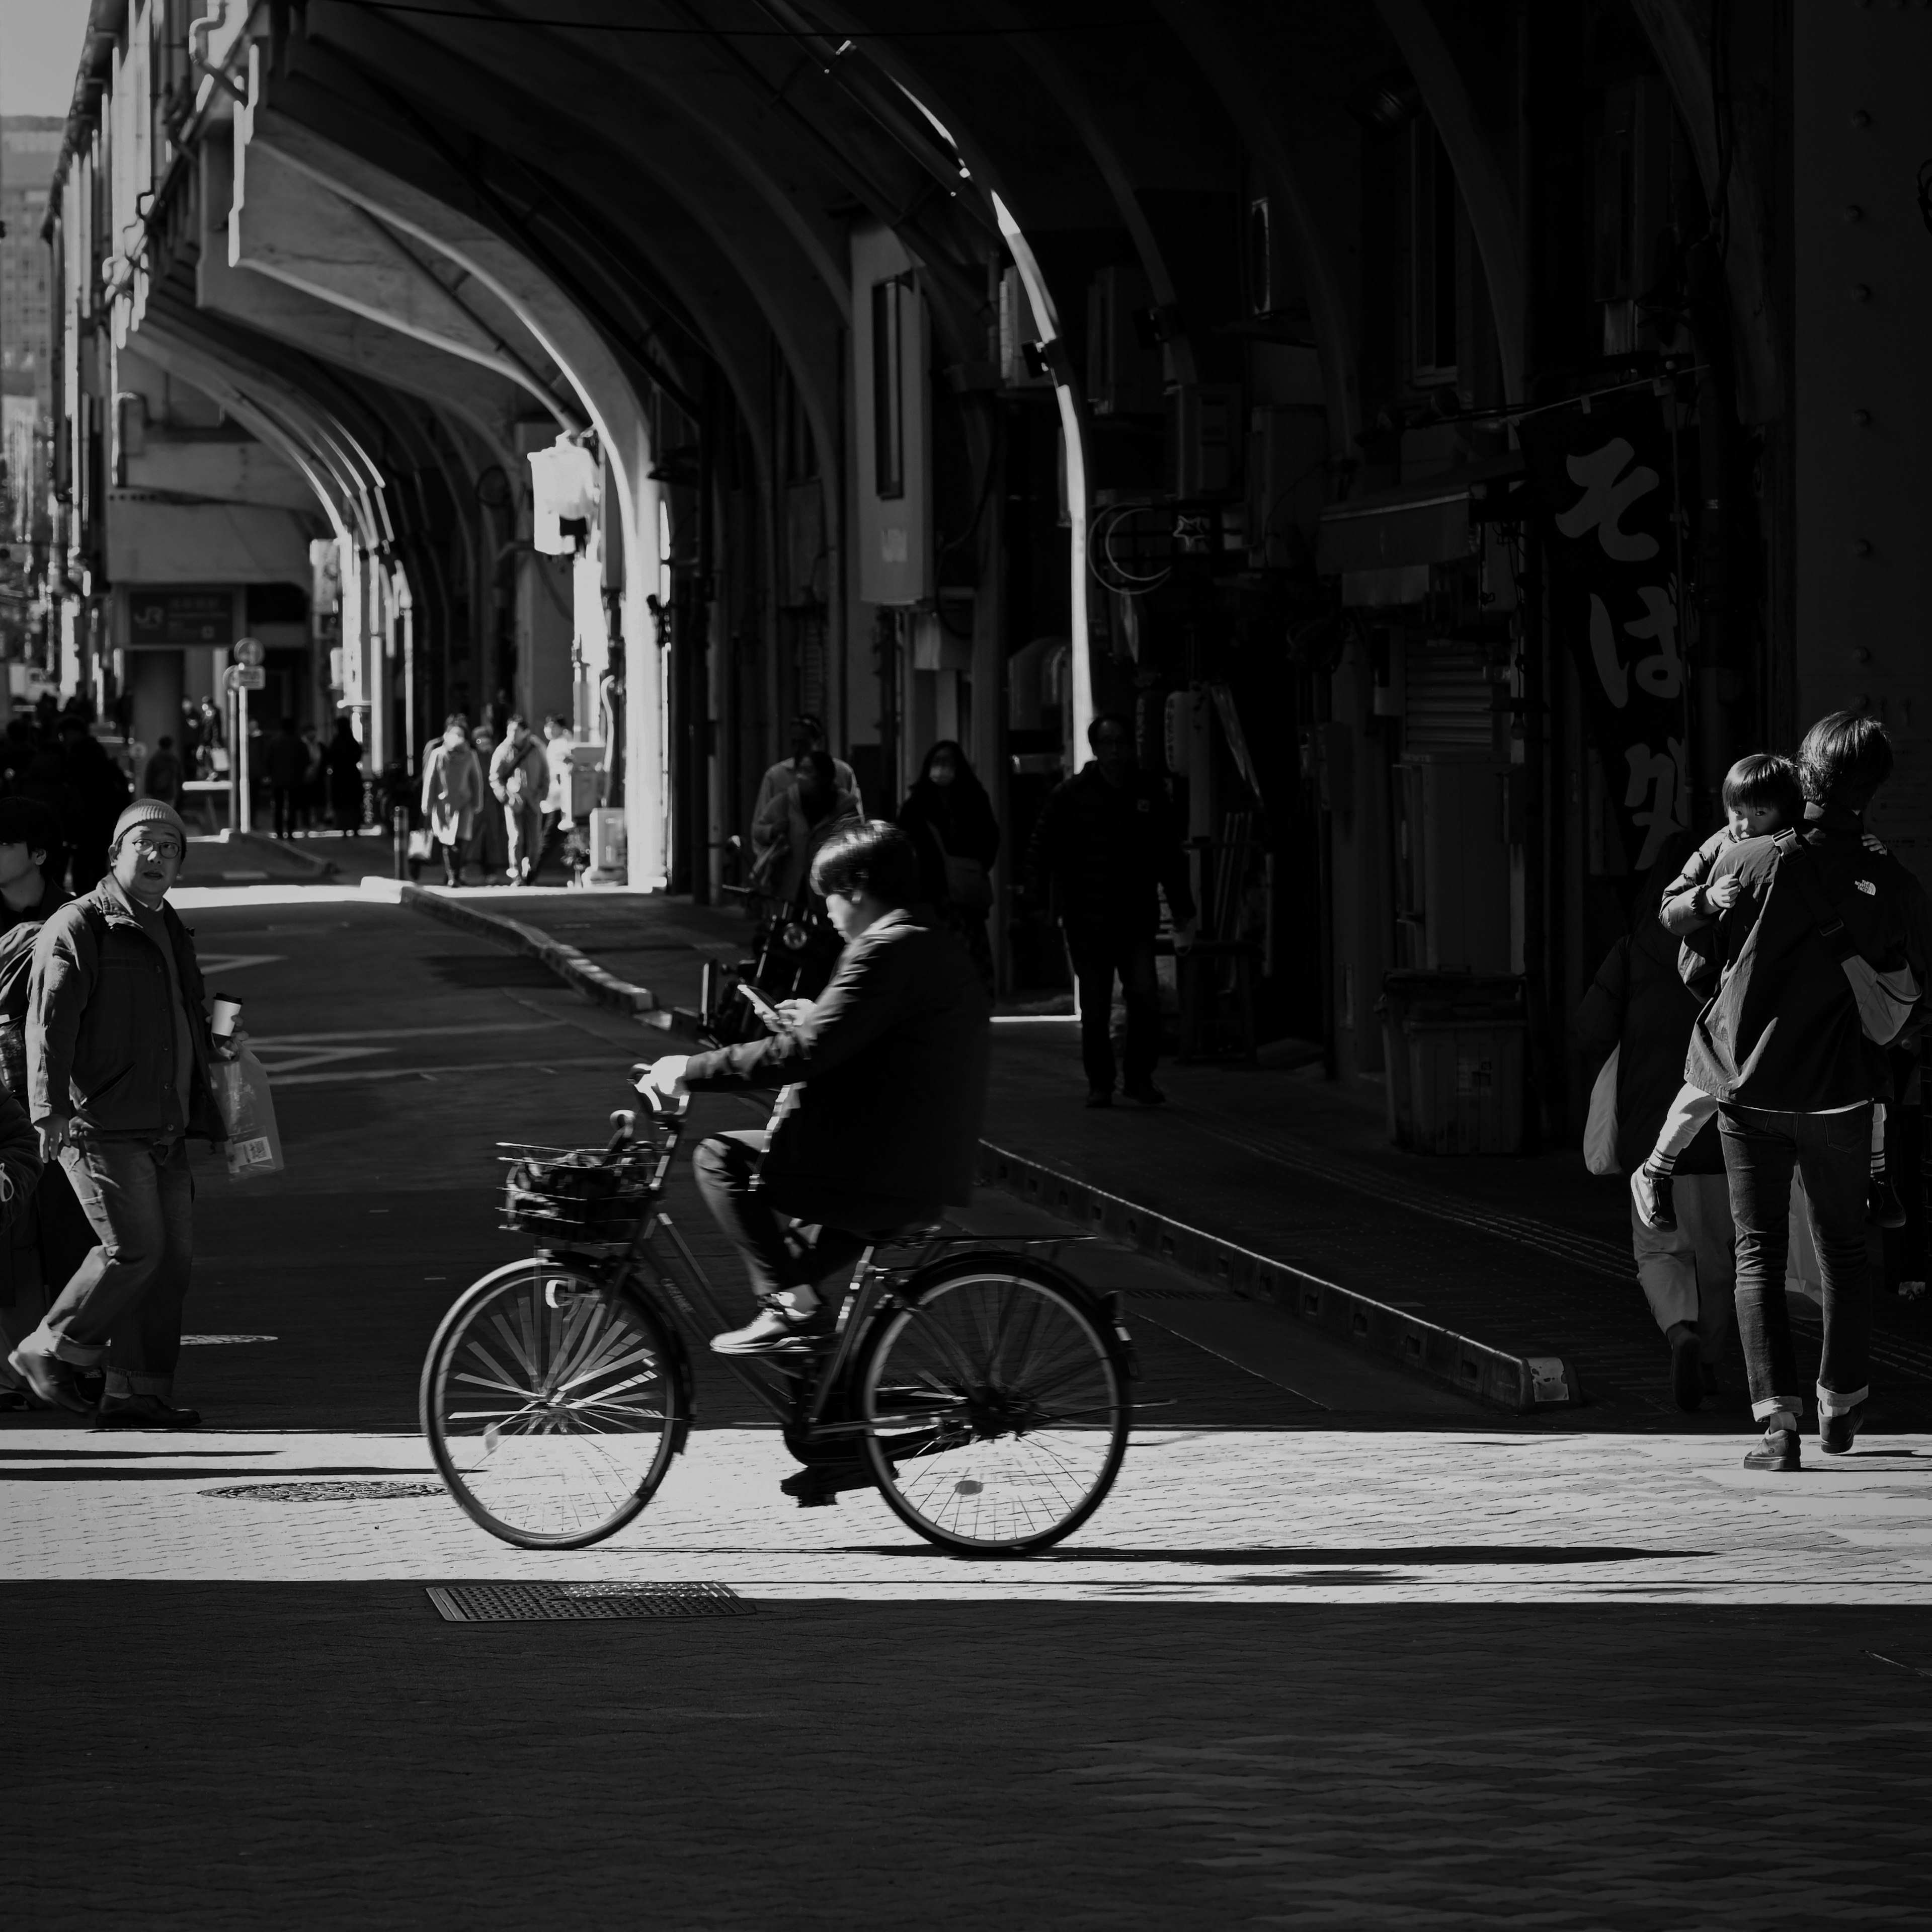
[[1783, 1031], [893, 1057], [1101, 849]]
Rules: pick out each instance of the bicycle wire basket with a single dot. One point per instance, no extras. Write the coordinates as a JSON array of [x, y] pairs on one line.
[[576, 1197]]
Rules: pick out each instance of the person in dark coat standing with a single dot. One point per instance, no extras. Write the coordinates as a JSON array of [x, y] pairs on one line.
[[1640, 1008], [949, 818], [888, 1067], [287, 761], [1105, 848], [344, 761], [104, 794]]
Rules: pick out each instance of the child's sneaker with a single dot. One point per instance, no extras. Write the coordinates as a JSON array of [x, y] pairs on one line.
[[1883, 1203], [1651, 1193]]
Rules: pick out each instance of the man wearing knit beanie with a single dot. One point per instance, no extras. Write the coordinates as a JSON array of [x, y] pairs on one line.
[[118, 1051]]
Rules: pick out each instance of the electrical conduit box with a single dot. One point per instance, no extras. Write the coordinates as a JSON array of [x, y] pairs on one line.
[[891, 353]]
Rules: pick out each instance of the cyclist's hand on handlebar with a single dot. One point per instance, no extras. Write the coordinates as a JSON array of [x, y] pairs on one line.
[[664, 1078]]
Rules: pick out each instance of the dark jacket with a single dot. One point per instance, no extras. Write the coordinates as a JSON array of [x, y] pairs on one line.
[[1638, 1004], [287, 761], [1783, 1030], [100, 1035], [894, 1058], [953, 821], [1101, 849], [1685, 908]]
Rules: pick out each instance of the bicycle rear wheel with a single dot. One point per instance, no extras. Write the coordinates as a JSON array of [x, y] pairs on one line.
[[994, 1406], [553, 1404]]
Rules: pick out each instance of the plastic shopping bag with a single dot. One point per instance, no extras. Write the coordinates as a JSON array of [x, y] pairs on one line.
[[242, 1093], [1600, 1131]]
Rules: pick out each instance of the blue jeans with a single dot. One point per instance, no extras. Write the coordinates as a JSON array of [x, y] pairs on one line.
[[1762, 1148], [1097, 954], [123, 1306]]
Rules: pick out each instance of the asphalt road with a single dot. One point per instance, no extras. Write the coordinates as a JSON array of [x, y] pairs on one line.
[[1341, 1650]]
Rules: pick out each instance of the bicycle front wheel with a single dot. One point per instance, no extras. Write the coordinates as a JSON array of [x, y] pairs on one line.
[[553, 1404], [994, 1405]]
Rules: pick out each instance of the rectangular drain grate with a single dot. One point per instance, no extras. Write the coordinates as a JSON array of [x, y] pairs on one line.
[[545, 1602]]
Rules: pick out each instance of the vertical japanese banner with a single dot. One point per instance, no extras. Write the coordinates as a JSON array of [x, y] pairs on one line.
[[1602, 488]]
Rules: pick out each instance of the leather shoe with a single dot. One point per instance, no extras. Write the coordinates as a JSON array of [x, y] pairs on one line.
[[143, 1411], [1686, 1378], [1837, 1433], [1651, 1193], [49, 1380], [1778, 1450]]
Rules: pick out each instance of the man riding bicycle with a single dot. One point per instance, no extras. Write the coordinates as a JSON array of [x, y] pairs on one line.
[[887, 1069]]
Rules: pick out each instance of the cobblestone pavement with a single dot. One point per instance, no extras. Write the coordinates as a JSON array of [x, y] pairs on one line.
[[1341, 1650]]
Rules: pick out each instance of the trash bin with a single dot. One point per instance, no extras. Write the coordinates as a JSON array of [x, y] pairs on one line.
[[1454, 1044]]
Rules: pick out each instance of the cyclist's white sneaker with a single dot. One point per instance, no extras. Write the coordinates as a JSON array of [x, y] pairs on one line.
[[773, 1331]]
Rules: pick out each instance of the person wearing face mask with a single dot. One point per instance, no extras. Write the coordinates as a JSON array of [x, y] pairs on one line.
[[118, 1056], [797, 821], [452, 796], [949, 818]]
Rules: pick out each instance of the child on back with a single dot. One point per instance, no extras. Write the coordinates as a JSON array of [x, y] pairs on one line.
[[1762, 798]]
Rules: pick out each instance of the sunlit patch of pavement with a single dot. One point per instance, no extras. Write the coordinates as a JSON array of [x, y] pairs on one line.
[[1205, 1516]]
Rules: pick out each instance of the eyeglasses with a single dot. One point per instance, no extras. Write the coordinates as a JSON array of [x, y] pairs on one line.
[[164, 845]]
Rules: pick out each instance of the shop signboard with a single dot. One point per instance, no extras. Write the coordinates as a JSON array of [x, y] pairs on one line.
[[173, 618]]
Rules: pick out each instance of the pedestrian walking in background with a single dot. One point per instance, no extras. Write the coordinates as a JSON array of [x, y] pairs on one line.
[[556, 820], [315, 779], [1826, 956], [117, 1053], [97, 782], [161, 777], [1105, 848], [519, 777], [287, 758], [1640, 1009], [491, 846], [786, 835], [808, 735], [47, 1237], [452, 796], [950, 821], [344, 763]]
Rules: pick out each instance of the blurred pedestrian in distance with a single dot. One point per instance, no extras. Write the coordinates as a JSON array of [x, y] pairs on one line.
[[161, 777], [343, 762], [48, 1236], [118, 1053], [189, 739], [519, 777], [212, 730], [798, 819], [1825, 953], [96, 781], [287, 761], [46, 716], [1639, 1008], [490, 847], [452, 796], [16, 752], [808, 735], [950, 821], [1105, 846], [557, 819]]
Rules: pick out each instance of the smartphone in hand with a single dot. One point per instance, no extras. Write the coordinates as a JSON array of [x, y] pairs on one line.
[[774, 1020]]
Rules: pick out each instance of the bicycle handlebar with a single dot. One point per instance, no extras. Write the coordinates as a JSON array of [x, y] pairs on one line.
[[659, 1104]]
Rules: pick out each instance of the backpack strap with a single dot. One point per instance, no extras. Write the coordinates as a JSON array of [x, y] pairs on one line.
[[1795, 859]]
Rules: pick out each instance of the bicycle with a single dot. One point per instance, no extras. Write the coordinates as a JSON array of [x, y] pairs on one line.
[[980, 1387]]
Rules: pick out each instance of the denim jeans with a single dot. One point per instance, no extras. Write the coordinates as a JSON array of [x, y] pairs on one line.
[[123, 1305], [1097, 954], [1832, 1151]]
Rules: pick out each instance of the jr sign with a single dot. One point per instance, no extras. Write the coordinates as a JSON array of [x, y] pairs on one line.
[[1604, 495], [180, 617]]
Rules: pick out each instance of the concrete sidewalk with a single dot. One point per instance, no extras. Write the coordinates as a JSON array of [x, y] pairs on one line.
[[1508, 1279]]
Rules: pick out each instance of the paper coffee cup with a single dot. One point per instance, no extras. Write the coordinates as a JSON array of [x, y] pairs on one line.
[[227, 1012]]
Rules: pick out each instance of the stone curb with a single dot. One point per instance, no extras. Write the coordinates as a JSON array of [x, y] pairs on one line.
[[565, 961], [303, 861], [1522, 1383]]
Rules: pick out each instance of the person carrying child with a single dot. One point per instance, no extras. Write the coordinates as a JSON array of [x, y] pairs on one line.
[[1762, 799]]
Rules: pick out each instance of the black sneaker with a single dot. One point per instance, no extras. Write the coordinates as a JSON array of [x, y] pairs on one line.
[[1652, 1194], [1837, 1433], [1146, 1095], [1778, 1450], [143, 1411], [1883, 1203]]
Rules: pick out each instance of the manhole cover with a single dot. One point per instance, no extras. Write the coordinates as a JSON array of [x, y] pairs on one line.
[[326, 1492], [219, 1341], [540, 1603]]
